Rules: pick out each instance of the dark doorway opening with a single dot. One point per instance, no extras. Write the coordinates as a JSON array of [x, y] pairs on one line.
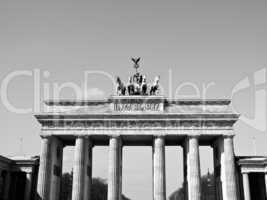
[[18, 181], [257, 186]]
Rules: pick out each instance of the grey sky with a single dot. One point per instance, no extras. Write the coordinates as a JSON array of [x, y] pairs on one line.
[[199, 41]]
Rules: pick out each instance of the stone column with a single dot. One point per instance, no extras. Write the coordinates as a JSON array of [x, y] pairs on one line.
[[28, 186], [120, 170], [159, 179], [193, 168], [246, 186], [88, 170], [228, 174], [56, 170], [48, 186], [217, 170], [152, 171], [80, 173], [114, 170], [43, 185]]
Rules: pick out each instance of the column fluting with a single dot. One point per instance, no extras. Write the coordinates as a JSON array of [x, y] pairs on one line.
[[79, 169], [246, 186], [193, 168], [159, 179], [114, 168], [228, 174], [44, 174], [88, 170]]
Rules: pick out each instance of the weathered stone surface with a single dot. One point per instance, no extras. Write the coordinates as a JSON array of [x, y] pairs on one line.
[[228, 173], [246, 186], [192, 168], [49, 176], [82, 169], [137, 120], [114, 168], [43, 186], [159, 174]]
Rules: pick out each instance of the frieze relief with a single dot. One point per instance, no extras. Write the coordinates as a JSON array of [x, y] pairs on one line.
[[129, 124]]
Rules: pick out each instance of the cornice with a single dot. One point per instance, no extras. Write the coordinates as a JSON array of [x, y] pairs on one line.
[[140, 124], [123, 116], [166, 101]]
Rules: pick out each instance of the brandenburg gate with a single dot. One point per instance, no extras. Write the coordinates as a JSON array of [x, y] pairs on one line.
[[138, 119]]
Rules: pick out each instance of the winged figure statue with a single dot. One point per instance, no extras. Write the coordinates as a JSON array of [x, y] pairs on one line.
[[136, 61]]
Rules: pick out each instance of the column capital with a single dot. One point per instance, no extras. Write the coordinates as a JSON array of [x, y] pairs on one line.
[[194, 136], [159, 136], [188, 138], [82, 136], [162, 134], [158, 141], [115, 137], [46, 136], [231, 136], [26, 170]]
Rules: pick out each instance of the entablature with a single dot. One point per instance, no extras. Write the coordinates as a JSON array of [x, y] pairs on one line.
[[138, 112]]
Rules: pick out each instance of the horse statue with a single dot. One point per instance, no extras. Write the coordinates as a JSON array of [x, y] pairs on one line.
[[144, 86], [130, 86], [154, 89], [121, 89]]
